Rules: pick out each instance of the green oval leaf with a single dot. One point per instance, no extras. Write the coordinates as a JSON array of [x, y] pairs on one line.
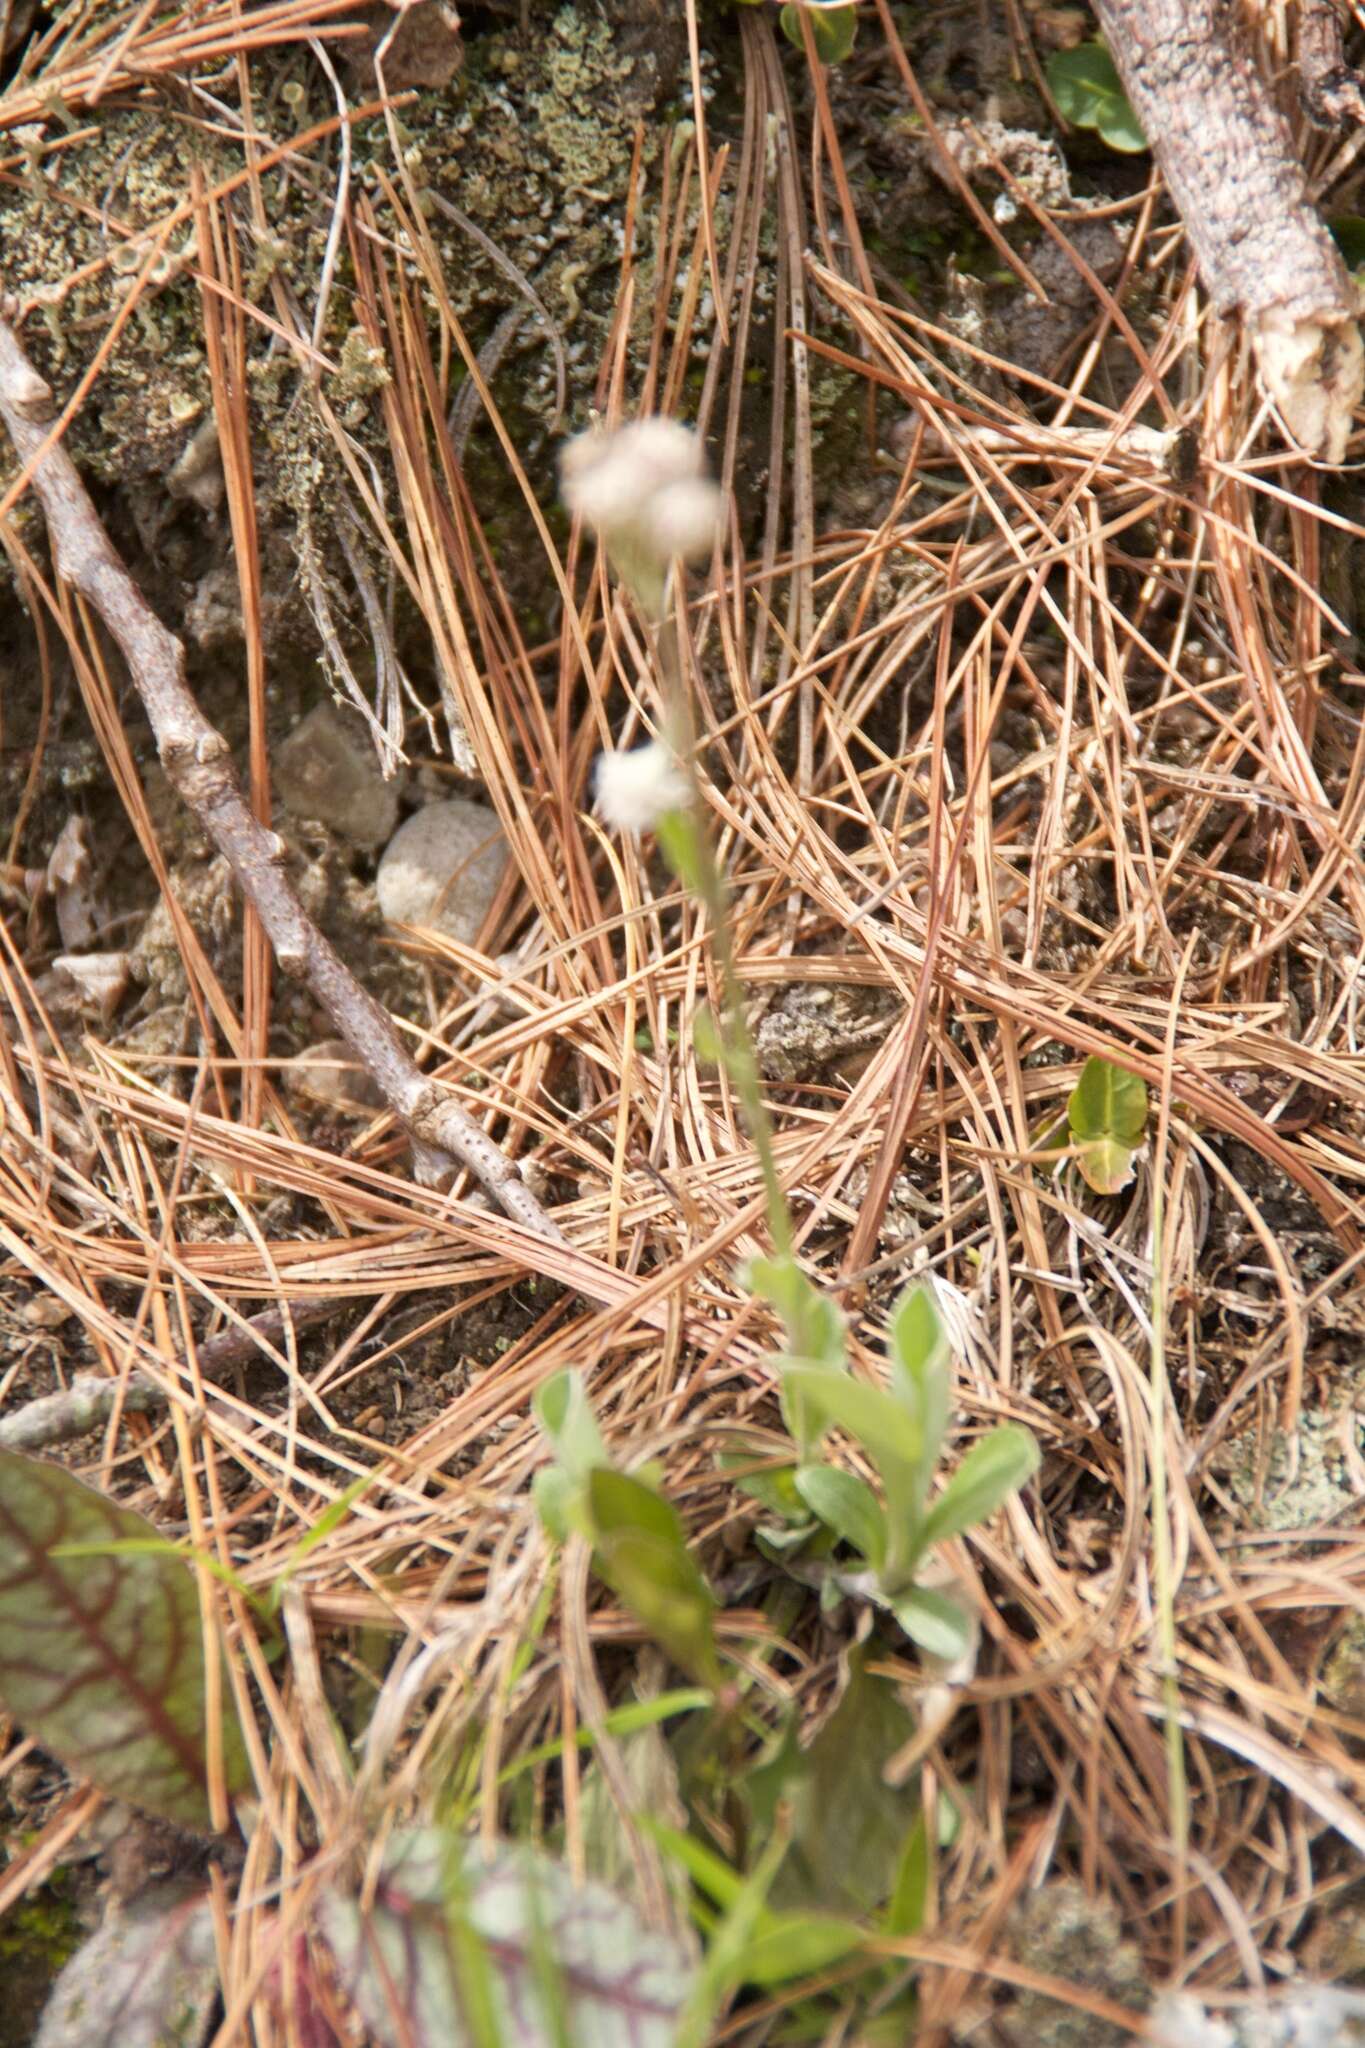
[[562, 1408], [1107, 1118], [935, 1622], [814, 1325], [641, 1551], [1089, 93], [921, 1377], [833, 27], [995, 1467], [102, 1657], [847, 1505], [876, 1418]]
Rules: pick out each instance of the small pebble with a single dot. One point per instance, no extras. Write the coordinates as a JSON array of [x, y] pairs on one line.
[[327, 769], [330, 1073], [443, 868]]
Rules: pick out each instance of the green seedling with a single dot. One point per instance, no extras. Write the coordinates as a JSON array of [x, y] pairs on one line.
[[638, 1542], [1106, 1117], [901, 1429]]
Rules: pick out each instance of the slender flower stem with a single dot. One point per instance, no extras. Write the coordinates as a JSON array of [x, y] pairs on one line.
[[694, 856]]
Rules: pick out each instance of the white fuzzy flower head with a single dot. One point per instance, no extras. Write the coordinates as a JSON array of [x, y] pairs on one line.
[[636, 789], [645, 491]]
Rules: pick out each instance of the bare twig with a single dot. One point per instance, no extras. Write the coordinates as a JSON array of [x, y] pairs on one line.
[[92, 1397], [199, 765], [85, 1405]]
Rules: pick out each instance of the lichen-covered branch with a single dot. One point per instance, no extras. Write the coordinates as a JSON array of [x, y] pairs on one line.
[[1331, 91], [199, 765], [1226, 152]]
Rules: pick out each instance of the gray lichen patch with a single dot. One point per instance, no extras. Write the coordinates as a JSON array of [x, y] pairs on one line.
[[1304, 1481], [75, 249], [532, 140], [1060, 1932], [814, 1025]]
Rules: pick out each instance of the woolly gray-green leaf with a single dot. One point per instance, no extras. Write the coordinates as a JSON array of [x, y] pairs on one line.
[[147, 1978], [553, 1961], [994, 1468]]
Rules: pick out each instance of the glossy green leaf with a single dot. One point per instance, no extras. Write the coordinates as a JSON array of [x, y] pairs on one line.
[[457, 1951], [790, 1946], [620, 1502], [1089, 93], [1107, 1117], [668, 1596], [1106, 1166], [102, 1657], [996, 1466], [846, 1504], [935, 1622], [833, 25], [1107, 1102]]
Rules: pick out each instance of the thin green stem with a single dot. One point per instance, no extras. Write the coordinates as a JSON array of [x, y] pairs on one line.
[[741, 1059]]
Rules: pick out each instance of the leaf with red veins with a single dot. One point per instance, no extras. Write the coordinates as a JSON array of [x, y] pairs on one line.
[[102, 1654]]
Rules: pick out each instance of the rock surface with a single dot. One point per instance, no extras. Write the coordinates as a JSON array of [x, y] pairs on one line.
[[443, 868]]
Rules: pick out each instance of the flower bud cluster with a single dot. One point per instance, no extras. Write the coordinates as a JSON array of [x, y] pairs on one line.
[[636, 789], [644, 491]]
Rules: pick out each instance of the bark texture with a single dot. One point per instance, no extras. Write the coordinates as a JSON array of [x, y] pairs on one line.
[[1227, 155], [1330, 89]]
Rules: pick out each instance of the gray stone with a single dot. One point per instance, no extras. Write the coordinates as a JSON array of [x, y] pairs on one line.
[[327, 769], [329, 1073], [443, 868]]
